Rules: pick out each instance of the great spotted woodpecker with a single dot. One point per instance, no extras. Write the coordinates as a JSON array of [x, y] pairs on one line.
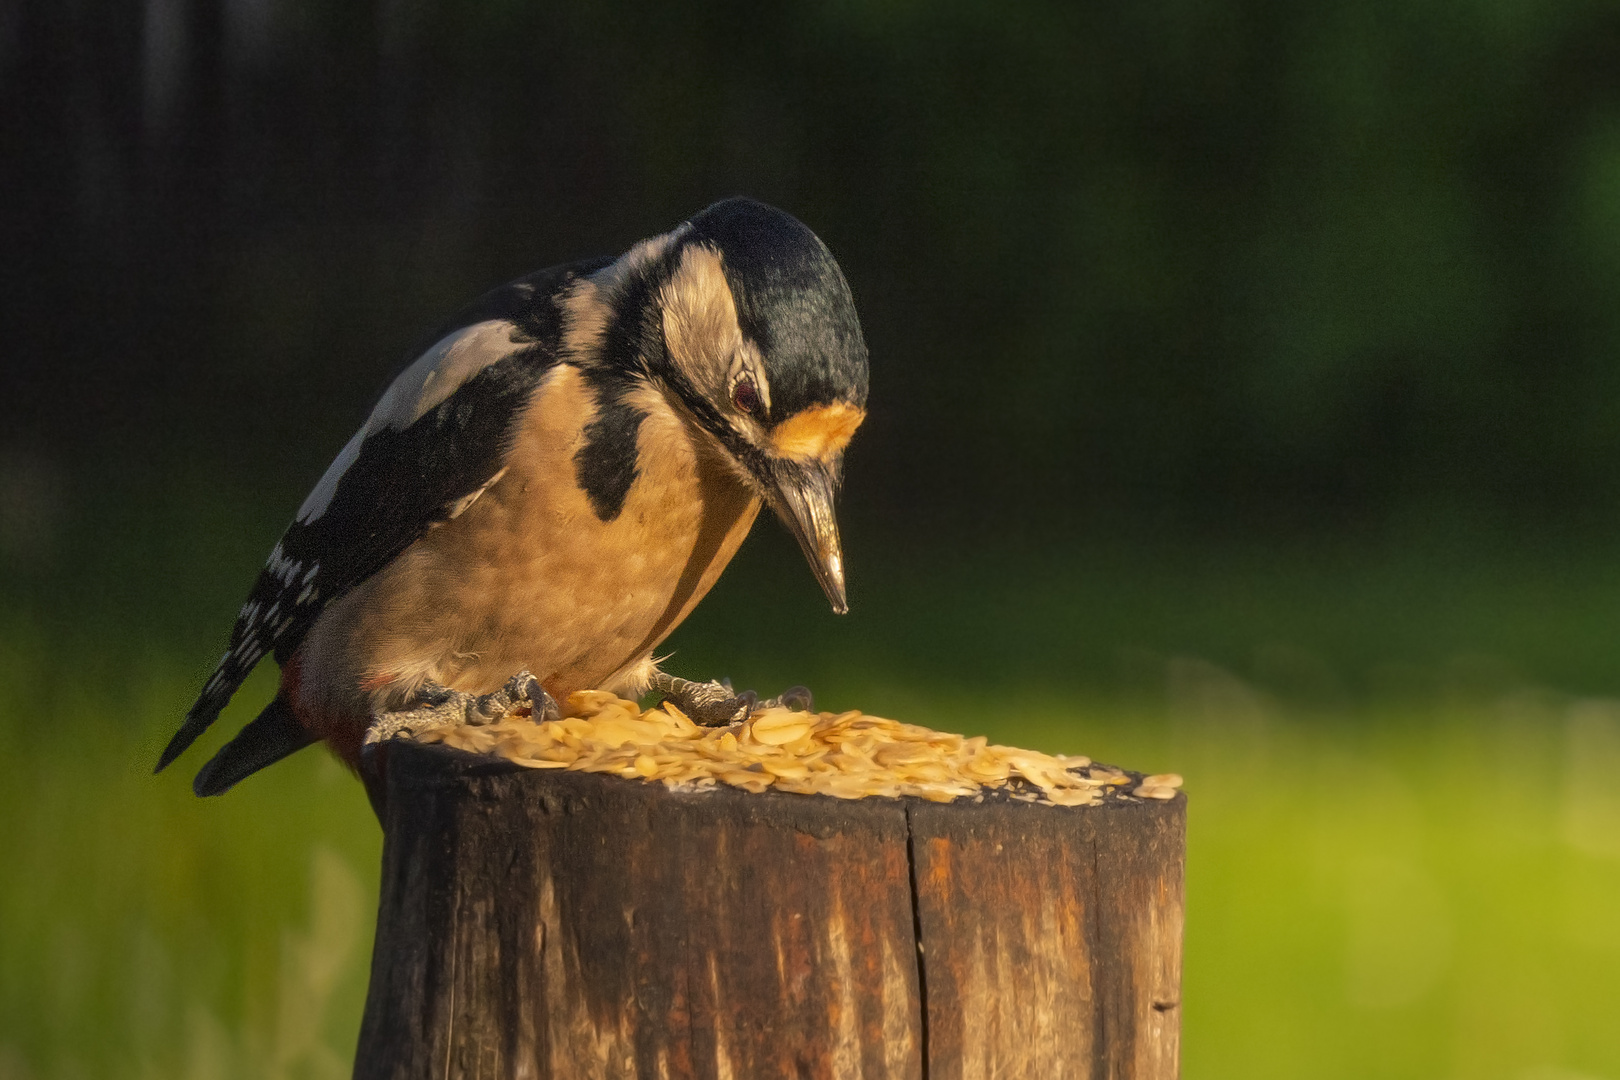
[[551, 487]]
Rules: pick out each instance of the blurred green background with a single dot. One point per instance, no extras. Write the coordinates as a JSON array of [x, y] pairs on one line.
[[1245, 404]]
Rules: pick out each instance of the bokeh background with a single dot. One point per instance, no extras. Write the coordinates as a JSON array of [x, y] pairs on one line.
[[1245, 403]]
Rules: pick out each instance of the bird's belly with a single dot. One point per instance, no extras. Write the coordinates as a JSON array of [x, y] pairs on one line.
[[531, 577], [576, 599]]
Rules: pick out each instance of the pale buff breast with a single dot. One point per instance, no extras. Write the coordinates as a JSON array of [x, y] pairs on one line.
[[529, 577]]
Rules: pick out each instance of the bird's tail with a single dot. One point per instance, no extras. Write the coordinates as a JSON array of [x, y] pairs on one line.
[[214, 697], [271, 736]]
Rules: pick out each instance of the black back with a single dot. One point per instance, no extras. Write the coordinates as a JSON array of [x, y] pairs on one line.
[[400, 484]]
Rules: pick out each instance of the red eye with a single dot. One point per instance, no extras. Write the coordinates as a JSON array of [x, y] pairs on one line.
[[745, 397]]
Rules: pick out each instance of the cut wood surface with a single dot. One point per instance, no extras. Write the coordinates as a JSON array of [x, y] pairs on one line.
[[560, 924]]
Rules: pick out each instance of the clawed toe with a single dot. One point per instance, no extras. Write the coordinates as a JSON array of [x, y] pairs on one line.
[[795, 698], [715, 704], [711, 704], [488, 708], [525, 687], [520, 688], [435, 706], [432, 695]]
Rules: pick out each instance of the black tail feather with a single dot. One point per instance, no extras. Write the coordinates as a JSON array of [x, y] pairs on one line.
[[227, 677], [271, 736], [196, 722]]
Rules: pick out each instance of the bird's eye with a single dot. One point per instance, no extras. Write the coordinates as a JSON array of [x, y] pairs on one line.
[[745, 396]]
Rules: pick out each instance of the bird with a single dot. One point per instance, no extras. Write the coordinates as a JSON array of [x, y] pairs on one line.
[[548, 489]]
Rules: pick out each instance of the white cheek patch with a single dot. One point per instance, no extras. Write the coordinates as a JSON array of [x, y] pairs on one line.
[[419, 389], [700, 322]]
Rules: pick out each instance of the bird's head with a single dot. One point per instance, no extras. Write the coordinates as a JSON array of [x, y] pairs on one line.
[[762, 345]]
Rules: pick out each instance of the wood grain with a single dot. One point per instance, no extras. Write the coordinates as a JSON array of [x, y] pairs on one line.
[[552, 924]]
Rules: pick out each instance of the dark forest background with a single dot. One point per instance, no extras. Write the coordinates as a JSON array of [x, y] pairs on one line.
[[1245, 404], [1176, 266]]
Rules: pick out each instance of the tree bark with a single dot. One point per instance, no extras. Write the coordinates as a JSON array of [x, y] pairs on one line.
[[558, 925]]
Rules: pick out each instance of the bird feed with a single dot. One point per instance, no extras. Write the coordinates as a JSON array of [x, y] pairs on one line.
[[847, 755]]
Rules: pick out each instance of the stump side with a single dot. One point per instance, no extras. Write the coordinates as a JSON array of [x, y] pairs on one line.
[[1062, 938], [555, 924]]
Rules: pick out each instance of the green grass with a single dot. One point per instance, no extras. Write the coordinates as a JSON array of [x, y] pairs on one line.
[[1404, 852], [1420, 891], [145, 933], [1400, 891]]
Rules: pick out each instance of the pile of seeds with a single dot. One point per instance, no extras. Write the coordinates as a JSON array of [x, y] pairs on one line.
[[847, 755]]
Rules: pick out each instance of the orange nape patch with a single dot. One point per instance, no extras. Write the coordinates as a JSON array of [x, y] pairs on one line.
[[817, 433]]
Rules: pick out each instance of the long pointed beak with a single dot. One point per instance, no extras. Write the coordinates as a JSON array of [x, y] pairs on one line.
[[802, 496]]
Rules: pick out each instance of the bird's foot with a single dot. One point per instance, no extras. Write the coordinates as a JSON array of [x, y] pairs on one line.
[[794, 699], [438, 706], [716, 704]]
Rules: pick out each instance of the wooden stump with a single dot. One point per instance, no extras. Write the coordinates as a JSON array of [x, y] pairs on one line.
[[557, 925]]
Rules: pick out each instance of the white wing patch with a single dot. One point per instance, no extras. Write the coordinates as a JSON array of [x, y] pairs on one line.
[[319, 499], [420, 388], [440, 371], [284, 568]]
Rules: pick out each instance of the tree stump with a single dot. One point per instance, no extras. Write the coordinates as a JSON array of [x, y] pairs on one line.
[[558, 925]]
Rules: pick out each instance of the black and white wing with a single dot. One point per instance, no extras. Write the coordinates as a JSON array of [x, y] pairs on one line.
[[437, 438]]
